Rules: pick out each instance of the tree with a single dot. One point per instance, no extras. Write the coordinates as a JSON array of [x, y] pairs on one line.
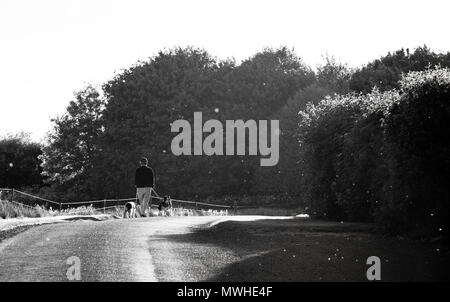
[[332, 77], [20, 164], [385, 73], [262, 84], [73, 144], [145, 99], [142, 103]]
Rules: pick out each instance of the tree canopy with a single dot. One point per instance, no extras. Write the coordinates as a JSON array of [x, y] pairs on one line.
[[20, 163]]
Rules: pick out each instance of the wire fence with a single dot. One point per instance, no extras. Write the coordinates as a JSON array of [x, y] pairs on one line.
[[30, 200]]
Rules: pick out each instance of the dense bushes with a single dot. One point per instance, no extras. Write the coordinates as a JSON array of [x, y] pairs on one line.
[[20, 164], [382, 157], [386, 72], [418, 140]]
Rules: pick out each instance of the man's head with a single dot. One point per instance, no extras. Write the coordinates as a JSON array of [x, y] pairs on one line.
[[143, 161]]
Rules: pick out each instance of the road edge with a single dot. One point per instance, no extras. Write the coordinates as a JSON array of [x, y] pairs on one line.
[[14, 226]]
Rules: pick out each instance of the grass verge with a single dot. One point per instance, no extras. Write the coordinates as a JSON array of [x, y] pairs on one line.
[[15, 210]]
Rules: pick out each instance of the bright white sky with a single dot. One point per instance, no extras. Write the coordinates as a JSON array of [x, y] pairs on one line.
[[51, 48]]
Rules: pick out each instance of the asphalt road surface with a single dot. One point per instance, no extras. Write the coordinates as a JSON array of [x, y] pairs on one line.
[[114, 250]]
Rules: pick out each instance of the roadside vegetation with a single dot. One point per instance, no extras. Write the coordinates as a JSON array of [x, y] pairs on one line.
[[381, 157], [10, 210], [15, 210]]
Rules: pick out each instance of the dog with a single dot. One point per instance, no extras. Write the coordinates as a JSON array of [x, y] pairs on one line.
[[2, 195], [165, 206], [130, 210]]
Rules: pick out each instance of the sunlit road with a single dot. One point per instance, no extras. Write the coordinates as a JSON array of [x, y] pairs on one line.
[[113, 250]]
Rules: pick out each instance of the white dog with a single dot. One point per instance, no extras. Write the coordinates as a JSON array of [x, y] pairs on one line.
[[130, 210]]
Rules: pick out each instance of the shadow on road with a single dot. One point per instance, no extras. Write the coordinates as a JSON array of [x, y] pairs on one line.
[[299, 250]]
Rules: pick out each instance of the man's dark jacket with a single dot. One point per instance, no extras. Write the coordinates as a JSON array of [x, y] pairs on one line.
[[144, 177]]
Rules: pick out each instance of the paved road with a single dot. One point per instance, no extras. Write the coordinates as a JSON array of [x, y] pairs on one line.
[[114, 250]]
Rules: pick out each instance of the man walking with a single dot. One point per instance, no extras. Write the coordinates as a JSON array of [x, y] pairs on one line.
[[144, 181]]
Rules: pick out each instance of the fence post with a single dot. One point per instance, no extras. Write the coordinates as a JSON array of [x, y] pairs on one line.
[[235, 207], [104, 206], [60, 207], [12, 195]]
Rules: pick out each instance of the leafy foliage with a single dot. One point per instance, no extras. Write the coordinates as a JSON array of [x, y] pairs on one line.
[[382, 156], [72, 146], [284, 179], [385, 73], [417, 134], [144, 100], [19, 162]]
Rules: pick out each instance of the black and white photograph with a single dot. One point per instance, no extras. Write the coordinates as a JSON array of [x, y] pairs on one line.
[[224, 147]]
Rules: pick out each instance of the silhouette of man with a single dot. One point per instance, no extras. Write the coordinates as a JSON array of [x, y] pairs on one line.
[[144, 181]]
